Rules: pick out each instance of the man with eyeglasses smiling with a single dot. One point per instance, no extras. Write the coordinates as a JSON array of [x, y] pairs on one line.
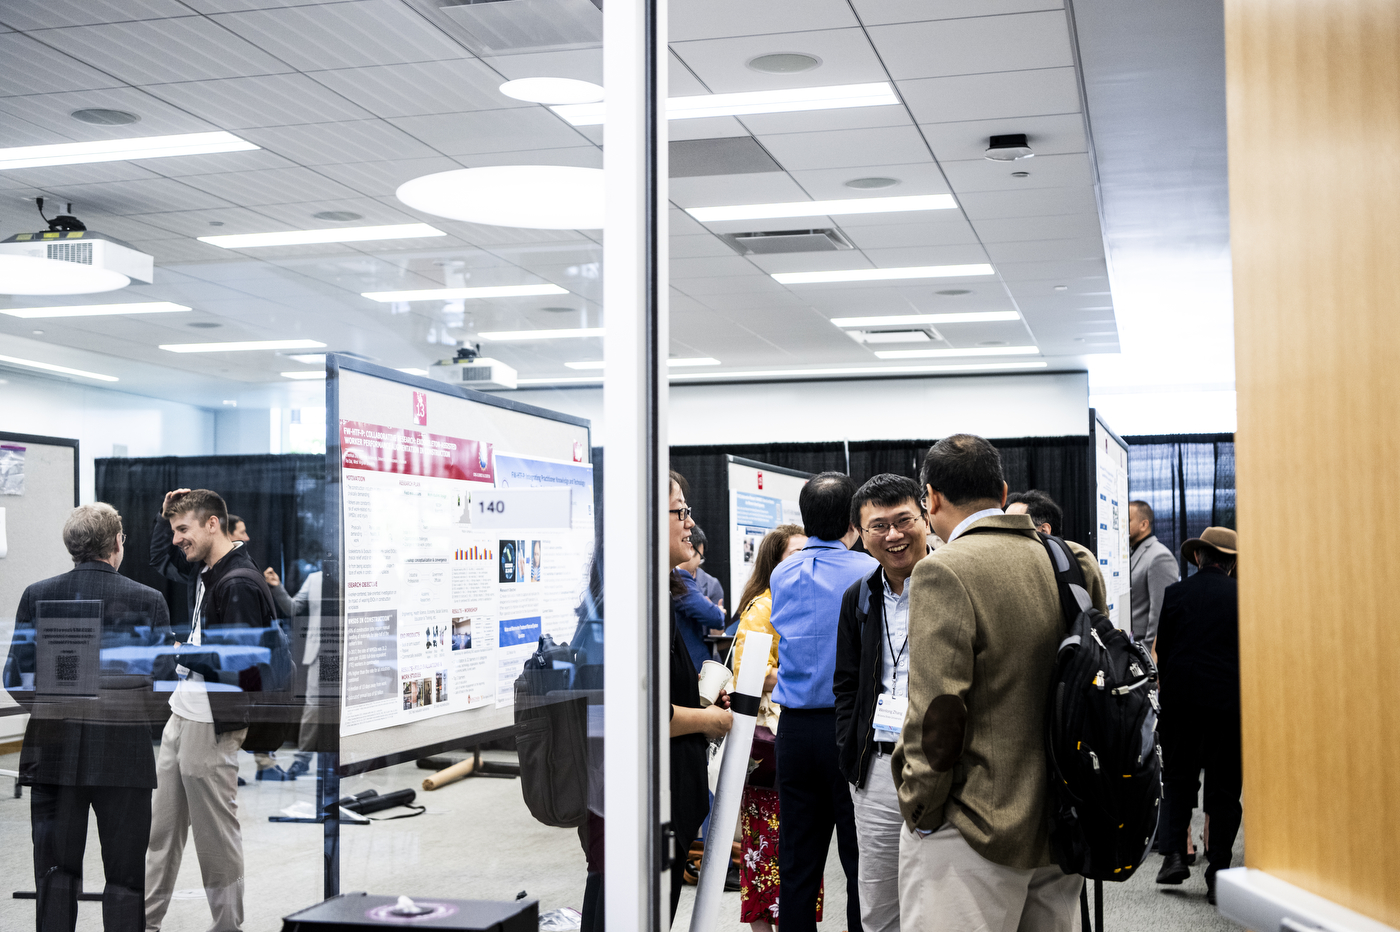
[[872, 683]]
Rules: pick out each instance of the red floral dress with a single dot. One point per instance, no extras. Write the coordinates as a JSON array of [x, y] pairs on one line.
[[758, 875]]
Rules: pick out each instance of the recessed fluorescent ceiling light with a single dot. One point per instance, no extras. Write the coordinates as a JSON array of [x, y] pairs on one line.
[[452, 294], [31, 275], [115, 150], [537, 197], [973, 351], [679, 361], [305, 374], [50, 367], [501, 336], [311, 359], [803, 373], [336, 235], [878, 275], [553, 90], [971, 317], [413, 371], [96, 310], [836, 97], [832, 208], [240, 346]]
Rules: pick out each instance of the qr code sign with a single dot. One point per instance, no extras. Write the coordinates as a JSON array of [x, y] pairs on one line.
[[66, 668]]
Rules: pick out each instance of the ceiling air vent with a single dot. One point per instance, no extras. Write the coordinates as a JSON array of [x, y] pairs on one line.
[[510, 27], [784, 241], [890, 336]]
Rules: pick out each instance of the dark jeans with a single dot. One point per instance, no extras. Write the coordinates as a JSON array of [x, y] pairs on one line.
[[59, 818], [590, 836], [1196, 738], [813, 798]]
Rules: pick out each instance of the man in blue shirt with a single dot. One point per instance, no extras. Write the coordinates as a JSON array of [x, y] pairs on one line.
[[812, 794]]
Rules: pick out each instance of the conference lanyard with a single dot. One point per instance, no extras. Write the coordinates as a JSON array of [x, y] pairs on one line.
[[890, 642]]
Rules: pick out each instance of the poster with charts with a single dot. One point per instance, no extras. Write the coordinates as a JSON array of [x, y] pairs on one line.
[[1111, 517]]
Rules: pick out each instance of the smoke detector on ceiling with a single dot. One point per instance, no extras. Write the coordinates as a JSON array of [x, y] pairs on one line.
[[1008, 148]]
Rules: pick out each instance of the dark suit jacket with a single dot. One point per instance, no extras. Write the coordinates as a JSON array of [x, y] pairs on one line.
[[92, 742], [1198, 641]]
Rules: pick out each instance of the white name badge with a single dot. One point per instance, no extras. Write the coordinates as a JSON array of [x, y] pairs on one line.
[[889, 712]]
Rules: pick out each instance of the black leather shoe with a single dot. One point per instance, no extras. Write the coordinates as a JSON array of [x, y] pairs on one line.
[[1174, 870], [1210, 889]]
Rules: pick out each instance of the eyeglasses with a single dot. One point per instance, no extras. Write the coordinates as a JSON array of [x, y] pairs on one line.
[[682, 513], [902, 525], [123, 537]]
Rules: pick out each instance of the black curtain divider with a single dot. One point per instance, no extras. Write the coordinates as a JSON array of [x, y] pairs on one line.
[[1063, 467], [1188, 479], [281, 497]]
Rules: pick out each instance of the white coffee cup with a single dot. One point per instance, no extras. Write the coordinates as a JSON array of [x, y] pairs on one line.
[[714, 677]]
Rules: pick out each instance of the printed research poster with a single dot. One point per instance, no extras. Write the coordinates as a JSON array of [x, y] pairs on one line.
[[449, 580]]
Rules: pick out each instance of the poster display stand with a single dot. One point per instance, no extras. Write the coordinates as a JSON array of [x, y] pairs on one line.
[[761, 497], [1110, 529]]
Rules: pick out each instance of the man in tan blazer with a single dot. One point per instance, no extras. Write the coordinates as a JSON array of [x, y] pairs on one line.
[[984, 626]]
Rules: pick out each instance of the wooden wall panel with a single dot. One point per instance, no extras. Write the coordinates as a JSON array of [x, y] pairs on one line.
[[1314, 123]]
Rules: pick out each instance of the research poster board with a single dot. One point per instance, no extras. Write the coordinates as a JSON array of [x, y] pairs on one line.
[[761, 497], [1111, 519], [466, 533]]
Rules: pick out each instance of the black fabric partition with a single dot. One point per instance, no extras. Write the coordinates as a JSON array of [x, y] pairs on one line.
[[1060, 466], [282, 499], [1188, 479]]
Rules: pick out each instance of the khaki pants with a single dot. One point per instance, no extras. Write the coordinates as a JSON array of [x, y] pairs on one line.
[[196, 787], [878, 825], [945, 886]]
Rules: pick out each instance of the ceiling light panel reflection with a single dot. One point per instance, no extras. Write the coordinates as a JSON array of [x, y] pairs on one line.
[[452, 294], [536, 197], [831, 208], [552, 90], [512, 336], [894, 320], [114, 150], [96, 310], [836, 97], [878, 275], [240, 346], [50, 367], [333, 235]]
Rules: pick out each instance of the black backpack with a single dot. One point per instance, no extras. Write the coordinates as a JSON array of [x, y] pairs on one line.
[[1102, 756], [551, 737]]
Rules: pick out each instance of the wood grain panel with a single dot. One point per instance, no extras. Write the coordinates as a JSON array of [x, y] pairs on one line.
[[1314, 123]]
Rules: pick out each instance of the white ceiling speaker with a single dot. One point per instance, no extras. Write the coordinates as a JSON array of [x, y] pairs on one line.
[[1008, 148], [539, 197]]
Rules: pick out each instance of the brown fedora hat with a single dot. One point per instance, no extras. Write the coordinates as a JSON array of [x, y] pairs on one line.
[[1216, 538]]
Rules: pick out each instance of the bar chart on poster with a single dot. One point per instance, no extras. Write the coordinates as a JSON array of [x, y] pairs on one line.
[[761, 497], [467, 533], [1111, 520]]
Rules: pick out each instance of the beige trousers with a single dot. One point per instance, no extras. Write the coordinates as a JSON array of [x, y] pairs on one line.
[[196, 787], [945, 886], [878, 829]]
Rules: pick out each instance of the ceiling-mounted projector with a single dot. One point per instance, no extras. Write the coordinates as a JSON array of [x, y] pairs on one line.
[[470, 370], [68, 258]]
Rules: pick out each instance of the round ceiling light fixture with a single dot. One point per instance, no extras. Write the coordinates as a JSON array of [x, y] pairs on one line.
[[1062, 287], [338, 216], [100, 117], [553, 90], [784, 63], [1020, 174], [1008, 148], [537, 197], [203, 324], [32, 275], [950, 292], [865, 184]]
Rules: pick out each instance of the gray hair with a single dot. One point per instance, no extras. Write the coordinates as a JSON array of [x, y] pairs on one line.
[[91, 532]]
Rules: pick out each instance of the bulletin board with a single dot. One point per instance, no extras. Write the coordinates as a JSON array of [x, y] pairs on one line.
[[761, 497], [1110, 538], [465, 533], [38, 490]]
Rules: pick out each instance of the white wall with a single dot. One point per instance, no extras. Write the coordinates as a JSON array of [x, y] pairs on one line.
[[1050, 405], [101, 418]]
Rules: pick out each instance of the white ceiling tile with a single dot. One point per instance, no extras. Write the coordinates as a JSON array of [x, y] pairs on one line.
[[55, 178], [992, 96], [921, 177], [53, 111], [846, 55], [346, 35], [266, 100], [1047, 250], [812, 121], [710, 266], [30, 67], [237, 6], [27, 15], [711, 19], [163, 50], [141, 197], [875, 12], [582, 64], [577, 156], [708, 128], [850, 148], [1080, 292], [421, 87], [1028, 202], [755, 285], [491, 131], [811, 262], [680, 80], [1046, 135], [130, 229], [246, 161], [281, 185], [1045, 171], [1021, 229], [383, 178], [974, 46], [691, 247], [721, 190], [199, 222], [899, 257], [1065, 270], [184, 250], [372, 211], [20, 132], [330, 143], [952, 232]]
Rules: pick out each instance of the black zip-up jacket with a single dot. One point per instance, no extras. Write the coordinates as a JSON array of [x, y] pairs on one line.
[[859, 668]]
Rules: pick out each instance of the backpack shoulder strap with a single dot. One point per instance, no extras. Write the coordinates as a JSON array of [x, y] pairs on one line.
[[242, 572], [1069, 577]]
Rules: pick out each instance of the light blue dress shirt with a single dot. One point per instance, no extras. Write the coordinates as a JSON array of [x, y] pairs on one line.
[[807, 590]]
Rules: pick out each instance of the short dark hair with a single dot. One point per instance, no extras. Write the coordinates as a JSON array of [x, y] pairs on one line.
[[1209, 556], [698, 538], [963, 468], [1146, 509], [680, 482], [886, 489], [203, 503], [233, 522], [825, 502], [1041, 507]]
